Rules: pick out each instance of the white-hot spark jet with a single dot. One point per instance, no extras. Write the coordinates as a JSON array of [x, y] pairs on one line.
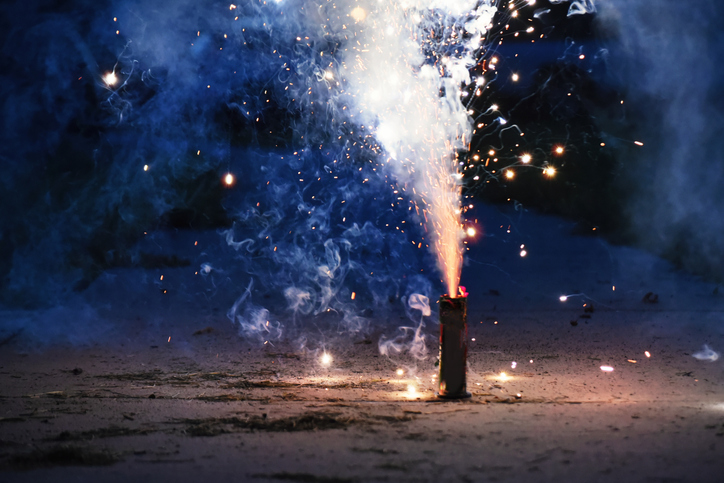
[[401, 68]]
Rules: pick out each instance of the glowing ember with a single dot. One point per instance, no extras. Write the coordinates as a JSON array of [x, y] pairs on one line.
[[358, 14], [229, 179], [110, 79], [607, 368], [470, 231], [647, 354]]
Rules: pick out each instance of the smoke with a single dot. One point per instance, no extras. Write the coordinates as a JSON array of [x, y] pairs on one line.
[[706, 354], [411, 341], [663, 57], [578, 7], [122, 121], [339, 126], [403, 79]]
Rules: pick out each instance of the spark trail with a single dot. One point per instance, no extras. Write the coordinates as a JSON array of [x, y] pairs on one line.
[[399, 70]]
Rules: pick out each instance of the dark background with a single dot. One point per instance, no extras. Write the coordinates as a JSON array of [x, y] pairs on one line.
[[76, 201]]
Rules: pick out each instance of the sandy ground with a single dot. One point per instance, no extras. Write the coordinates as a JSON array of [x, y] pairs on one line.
[[177, 395], [205, 406]]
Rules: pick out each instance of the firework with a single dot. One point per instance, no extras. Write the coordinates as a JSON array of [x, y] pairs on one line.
[[453, 347]]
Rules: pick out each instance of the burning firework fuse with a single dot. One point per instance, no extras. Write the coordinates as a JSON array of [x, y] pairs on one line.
[[453, 347]]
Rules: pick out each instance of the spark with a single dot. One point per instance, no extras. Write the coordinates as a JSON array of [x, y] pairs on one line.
[[515, 77], [509, 174], [329, 75], [229, 179], [607, 368], [358, 14], [559, 150], [110, 79], [513, 364], [638, 143], [525, 159], [503, 376], [400, 372], [470, 231], [563, 298], [326, 359], [145, 167], [549, 171], [647, 353], [353, 295]]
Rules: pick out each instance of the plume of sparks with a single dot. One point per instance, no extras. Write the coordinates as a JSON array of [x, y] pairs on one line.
[[402, 75]]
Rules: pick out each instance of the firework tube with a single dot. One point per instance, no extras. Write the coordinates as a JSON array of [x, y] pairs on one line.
[[453, 347]]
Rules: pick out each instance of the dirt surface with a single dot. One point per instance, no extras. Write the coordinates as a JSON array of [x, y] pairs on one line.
[[204, 405]]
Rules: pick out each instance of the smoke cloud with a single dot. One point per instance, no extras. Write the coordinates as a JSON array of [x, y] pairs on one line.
[[663, 58], [122, 121]]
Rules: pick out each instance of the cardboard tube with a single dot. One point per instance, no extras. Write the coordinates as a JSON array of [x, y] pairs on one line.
[[453, 347]]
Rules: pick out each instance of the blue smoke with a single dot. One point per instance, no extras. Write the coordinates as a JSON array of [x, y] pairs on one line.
[[100, 176], [664, 58]]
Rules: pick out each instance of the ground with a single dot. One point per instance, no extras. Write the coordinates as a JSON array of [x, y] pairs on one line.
[[193, 400]]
